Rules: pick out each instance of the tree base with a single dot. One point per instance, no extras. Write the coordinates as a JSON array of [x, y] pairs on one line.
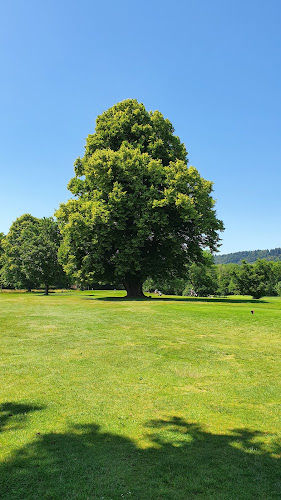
[[133, 288]]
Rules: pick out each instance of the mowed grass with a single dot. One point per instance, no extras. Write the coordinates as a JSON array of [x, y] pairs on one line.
[[166, 399]]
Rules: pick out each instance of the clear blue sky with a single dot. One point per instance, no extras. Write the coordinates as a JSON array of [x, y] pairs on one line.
[[212, 67]]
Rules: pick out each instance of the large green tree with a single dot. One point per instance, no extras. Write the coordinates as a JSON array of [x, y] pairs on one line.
[[139, 211], [30, 257]]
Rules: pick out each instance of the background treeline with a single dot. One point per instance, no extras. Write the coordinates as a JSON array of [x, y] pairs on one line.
[[260, 279], [249, 256]]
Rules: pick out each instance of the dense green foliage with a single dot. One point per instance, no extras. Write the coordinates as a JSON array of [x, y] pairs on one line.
[[256, 280], [203, 277], [2, 236], [199, 277], [249, 256], [139, 211], [174, 399], [30, 254], [260, 279], [29, 259], [15, 258]]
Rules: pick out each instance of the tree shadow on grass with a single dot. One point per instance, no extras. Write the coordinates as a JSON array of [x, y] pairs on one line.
[[16, 413], [176, 299], [182, 462]]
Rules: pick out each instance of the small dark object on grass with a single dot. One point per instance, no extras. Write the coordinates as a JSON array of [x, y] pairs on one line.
[[252, 312]]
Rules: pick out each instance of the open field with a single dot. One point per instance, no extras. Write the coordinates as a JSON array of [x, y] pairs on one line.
[[161, 399]]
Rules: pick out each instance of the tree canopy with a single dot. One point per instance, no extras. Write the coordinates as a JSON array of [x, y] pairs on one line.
[[30, 257], [139, 211], [2, 236]]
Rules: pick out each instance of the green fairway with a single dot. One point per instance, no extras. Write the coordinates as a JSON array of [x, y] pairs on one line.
[[171, 398]]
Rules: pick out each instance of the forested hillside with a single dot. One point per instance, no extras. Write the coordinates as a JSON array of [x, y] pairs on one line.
[[249, 256]]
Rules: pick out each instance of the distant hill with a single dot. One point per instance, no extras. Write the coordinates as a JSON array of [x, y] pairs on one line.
[[250, 256]]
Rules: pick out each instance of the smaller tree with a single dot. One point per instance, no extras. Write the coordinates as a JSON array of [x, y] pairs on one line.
[[264, 270], [227, 283], [40, 260], [30, 256], [12, 272], [203, 276], [254, 279]]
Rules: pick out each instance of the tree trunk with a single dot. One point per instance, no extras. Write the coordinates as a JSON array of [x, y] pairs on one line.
[[46, 289], [133, 287]]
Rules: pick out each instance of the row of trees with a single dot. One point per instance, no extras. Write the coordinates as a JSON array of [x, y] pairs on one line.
[[260, 279], [29, 259]]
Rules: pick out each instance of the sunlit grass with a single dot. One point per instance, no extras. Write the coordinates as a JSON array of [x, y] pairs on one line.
[[168, 398]]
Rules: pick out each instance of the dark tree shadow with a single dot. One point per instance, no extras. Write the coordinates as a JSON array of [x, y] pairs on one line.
[[116, 299], [16, 413], [183, 462], [178, 299]]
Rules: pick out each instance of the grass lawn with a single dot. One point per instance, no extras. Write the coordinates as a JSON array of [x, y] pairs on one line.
[[162, 399]]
